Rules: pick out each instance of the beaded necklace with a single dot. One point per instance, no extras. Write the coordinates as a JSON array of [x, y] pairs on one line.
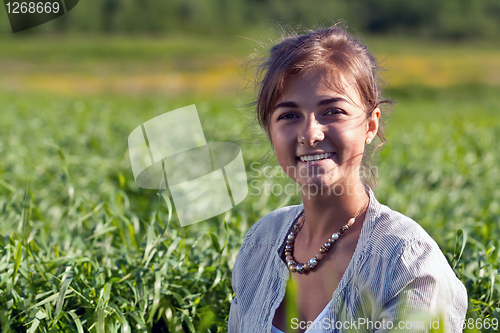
[[300, 268]]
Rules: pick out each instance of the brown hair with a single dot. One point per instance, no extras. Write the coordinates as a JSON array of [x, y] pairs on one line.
[[332, 50]]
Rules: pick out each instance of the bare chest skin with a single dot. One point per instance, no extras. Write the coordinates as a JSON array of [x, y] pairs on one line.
[[315, 289]]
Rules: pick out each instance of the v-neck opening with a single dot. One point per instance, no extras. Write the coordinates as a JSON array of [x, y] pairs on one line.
[[314, 324]]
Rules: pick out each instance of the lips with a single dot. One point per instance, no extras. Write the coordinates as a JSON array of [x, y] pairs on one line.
[[315, 157]]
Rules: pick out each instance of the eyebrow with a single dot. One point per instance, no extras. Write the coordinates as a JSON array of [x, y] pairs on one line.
[[286, 105], [331, 100], [320, 103]]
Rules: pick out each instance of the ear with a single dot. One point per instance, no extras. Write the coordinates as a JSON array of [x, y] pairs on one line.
[[372, 124]]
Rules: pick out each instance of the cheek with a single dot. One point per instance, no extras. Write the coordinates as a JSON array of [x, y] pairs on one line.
[[282, 149], [281, 153], [353, 143]]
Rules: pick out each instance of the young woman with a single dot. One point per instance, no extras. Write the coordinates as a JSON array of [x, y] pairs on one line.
[[357, 265]]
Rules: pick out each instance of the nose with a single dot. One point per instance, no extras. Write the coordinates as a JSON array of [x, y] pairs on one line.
[[311, 132]]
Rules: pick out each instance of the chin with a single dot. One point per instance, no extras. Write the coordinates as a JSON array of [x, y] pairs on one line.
[[315, 185], [323, 184]]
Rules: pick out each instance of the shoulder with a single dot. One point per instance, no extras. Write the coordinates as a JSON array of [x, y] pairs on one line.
[[269, 229], [400, 258], [258, 262], [392, 233]]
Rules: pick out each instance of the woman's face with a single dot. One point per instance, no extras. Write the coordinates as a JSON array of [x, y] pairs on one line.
[[319, 133]]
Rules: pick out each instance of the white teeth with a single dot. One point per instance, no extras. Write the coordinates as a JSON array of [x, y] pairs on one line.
[[309, 158]]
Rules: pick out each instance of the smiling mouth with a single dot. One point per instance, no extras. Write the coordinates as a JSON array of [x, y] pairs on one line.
[[314, 158]]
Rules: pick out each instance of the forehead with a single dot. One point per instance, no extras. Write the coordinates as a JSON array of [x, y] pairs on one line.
[[319, 83]]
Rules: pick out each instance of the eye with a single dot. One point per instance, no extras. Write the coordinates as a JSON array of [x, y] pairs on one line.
[[334, 111], [287, 115]]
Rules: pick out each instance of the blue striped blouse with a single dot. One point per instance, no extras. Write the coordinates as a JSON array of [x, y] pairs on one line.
[[397, 278]]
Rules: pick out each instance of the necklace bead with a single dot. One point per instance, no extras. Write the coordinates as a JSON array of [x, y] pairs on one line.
[[300, 268], [312, 262]]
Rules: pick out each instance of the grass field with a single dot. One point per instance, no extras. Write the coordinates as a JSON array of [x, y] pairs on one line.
[[83, 249]]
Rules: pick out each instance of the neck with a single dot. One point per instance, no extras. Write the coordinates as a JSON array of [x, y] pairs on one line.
[[327, 211]]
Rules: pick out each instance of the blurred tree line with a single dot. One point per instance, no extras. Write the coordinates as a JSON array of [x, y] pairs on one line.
[[455, 19]]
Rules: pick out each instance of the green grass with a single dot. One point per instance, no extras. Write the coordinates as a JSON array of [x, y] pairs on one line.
[[83, 249], [440, 168]]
